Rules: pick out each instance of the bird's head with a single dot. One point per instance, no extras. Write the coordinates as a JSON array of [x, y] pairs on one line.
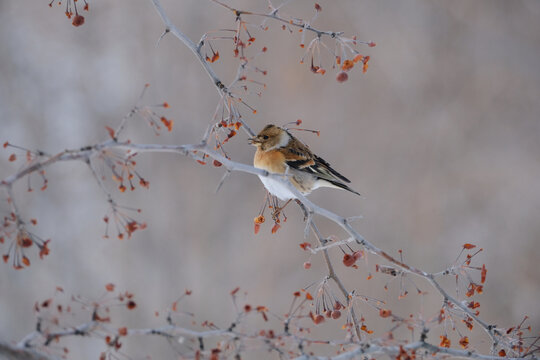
[[271, 137]]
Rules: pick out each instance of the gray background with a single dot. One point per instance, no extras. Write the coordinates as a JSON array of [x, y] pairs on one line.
[[441, 136]]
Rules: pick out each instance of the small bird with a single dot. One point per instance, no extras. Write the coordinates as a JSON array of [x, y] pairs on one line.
[[277, 149]]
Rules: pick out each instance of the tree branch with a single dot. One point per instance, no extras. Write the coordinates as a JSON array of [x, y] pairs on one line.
[[13, 352]]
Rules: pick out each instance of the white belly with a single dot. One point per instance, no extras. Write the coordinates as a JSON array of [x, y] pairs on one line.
[[277, 188]]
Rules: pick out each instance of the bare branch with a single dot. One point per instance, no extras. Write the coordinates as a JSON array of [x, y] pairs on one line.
[[86, 152], [13, 352]]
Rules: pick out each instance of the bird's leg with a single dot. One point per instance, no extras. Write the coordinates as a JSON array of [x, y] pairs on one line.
[[278, 210]]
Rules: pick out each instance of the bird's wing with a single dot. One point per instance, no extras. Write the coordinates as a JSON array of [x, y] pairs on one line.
[[299, 157], [323, 167]]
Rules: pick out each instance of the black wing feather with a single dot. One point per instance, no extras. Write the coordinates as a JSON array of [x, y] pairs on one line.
[[326, 166]]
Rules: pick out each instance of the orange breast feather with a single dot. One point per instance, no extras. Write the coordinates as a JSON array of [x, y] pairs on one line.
[[273, 161]]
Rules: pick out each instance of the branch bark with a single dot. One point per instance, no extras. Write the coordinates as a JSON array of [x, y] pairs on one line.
[[13, 352]]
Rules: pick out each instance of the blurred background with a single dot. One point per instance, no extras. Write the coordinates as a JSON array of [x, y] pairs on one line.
[[441, 136]]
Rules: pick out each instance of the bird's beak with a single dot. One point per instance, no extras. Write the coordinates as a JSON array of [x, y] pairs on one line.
[[254, 141]]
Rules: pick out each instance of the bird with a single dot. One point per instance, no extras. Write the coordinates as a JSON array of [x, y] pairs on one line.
[[278, 151]]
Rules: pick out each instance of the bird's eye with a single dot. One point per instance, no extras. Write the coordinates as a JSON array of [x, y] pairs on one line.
[[265, 137]]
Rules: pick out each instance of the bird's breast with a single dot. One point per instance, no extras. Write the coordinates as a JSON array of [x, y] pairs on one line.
[[272, 161]]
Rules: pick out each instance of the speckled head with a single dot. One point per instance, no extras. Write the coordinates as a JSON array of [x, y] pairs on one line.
[[270, 138]]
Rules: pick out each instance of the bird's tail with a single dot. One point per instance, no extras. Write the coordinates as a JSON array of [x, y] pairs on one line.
[[339, 185]]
